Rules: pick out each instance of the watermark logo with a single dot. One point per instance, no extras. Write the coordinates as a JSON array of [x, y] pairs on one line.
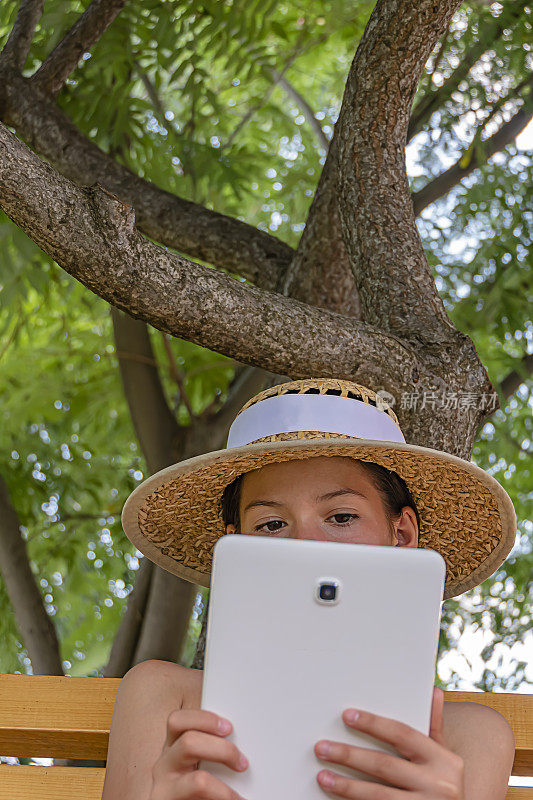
[[384, 400], [433, 399], [459, 401]]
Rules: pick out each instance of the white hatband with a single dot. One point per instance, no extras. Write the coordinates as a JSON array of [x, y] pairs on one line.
[[312, 412]]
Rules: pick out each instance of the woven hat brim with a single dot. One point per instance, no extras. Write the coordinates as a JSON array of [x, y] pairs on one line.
[[174, 516]]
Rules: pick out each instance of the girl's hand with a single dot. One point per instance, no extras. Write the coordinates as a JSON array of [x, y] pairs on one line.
[[193, 736], [427, 771]]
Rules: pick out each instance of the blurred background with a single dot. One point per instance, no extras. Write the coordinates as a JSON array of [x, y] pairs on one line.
[[232, 105]]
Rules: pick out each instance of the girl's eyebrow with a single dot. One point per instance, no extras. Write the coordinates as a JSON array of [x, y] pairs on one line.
[[263, 503], [320, 499], [338, 493]]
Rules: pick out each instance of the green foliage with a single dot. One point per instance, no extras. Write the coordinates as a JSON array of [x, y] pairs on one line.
[[69, 456], [185, 96], [70, 459]]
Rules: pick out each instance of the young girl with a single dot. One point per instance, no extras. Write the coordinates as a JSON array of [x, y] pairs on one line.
[[313, 459]]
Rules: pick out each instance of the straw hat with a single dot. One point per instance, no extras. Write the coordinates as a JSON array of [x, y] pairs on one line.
[[174, 517]]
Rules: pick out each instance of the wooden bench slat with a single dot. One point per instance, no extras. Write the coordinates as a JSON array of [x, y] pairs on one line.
[[88, 745], [45, 717], [51, 783], [58, 717], [73, 783], [518, 710]]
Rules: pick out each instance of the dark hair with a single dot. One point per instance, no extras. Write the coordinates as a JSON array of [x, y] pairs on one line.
[[392, 488]]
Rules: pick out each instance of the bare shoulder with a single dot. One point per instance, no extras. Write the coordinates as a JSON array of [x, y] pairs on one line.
[[180, 686], [462, 720], [147, 695], [483, 738]]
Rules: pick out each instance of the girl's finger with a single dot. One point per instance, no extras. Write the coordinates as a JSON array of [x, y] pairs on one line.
[[436, 724], [396, 771], [194, 746], [340, 786], [200, 785], [407, 741], [180, 721]]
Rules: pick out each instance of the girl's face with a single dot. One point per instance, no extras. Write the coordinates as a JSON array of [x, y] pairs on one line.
[[327, 499]]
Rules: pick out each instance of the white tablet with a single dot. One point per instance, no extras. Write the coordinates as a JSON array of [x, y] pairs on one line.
[[300, 630]]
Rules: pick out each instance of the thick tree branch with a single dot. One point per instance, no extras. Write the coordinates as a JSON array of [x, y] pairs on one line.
[[164, 217], [476, 155], [395, 285], [516, 377], [36, 628], [320, 273], [19, 41], [490, 32], [364, 178], [86, 31], [93, 237]]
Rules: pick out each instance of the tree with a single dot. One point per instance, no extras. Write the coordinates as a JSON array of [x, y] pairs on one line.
[[143, 199]]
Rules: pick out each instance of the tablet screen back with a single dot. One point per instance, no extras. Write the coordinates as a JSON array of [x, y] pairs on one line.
[[282, 665]]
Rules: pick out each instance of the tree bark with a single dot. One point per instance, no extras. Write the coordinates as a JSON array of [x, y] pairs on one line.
[[320, 272], [395, 285], [19, 41], [360, 253], [88, 28], [361, 214], [180, 224], [35, 626], [92, 235], [362, 217]]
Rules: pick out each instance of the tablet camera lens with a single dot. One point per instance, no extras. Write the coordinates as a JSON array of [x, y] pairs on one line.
[[328, 591]]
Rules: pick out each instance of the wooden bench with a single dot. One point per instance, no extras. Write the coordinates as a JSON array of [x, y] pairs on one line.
[[50, 717]]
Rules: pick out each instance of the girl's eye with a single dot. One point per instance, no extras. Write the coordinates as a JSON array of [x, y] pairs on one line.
[[267, 526], [344, 518]]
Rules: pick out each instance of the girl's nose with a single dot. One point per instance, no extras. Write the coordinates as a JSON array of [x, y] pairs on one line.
[[309, 531]]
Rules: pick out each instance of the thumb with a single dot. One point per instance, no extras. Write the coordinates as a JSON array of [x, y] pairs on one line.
[[436, 724]]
